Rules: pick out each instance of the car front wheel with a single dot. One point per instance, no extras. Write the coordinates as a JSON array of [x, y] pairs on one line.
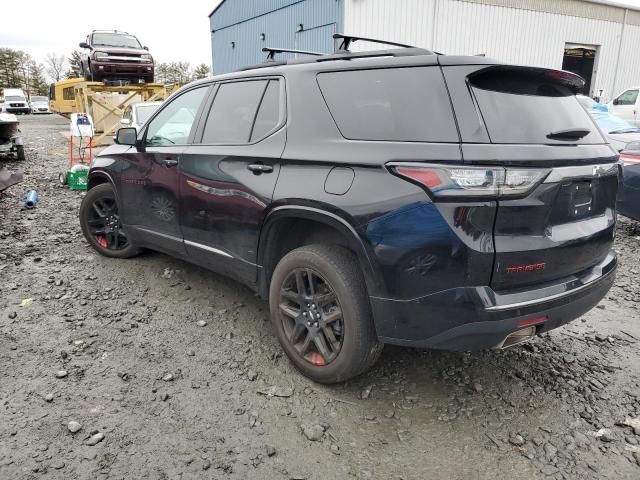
[[321, 313], [101, 225]]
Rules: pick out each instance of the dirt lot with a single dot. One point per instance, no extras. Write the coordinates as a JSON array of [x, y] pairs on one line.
[[171, 371]]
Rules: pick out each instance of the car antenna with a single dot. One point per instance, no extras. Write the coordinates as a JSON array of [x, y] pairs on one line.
[[271, 52], [347, 40]]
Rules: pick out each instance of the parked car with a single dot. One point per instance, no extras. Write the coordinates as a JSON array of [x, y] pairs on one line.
[[39, 104], [629, 198], [625, 138], [114, 55], [401, 197], [620, 133], [627, 105], [15, 101], [137, 114]]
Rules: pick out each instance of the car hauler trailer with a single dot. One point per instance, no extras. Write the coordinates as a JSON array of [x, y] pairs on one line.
[[104, 102]]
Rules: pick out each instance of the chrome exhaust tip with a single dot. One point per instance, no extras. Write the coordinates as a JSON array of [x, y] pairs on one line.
[[516, 338]]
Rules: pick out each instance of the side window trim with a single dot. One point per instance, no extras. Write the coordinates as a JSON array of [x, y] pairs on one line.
[[190, 138], [255, 115], [282, 117]]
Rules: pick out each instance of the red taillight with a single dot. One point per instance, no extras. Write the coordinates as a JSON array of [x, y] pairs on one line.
[[462, 182], [531, 321], [428, 178], [630, 159]]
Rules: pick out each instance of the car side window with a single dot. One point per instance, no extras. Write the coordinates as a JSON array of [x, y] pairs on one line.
[[173, 123], [630, 97], [233, 113]]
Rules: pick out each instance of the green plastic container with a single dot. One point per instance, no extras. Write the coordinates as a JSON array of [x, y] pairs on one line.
[[77, 177]]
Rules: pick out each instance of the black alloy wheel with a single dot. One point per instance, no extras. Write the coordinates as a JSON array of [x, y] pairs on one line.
[[311, 316], [321, 313], [104, 224], [101, 224]]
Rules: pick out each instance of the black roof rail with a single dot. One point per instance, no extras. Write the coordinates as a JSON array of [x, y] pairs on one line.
[[272, 51], [347, 40]]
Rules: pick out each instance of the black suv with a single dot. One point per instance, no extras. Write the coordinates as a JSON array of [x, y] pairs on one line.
[[395, 196]]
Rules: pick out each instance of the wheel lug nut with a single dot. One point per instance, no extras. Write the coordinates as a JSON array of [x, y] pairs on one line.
[[304, 314]]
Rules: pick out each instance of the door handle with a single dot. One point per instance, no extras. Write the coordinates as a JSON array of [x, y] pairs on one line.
[[170, 162], [259, 168]]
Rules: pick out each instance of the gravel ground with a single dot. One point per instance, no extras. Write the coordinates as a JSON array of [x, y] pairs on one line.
[[155, 368]]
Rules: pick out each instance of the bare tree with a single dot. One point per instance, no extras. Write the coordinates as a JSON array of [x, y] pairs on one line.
[[55, 65]]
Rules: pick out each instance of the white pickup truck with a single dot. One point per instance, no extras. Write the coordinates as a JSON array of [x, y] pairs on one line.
[[627, 105]]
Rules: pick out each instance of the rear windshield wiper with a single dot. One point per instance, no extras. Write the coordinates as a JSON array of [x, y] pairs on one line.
[[571, 134]]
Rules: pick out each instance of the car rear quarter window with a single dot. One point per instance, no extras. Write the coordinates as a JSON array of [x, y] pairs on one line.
[[527, 106], [408, 104], [231, 117], [268, 115]]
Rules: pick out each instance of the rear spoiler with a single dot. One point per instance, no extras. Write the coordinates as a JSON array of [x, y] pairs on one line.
[[526, 80]]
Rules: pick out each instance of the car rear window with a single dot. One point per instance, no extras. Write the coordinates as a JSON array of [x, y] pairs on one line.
[[526, 105], [408, 104]]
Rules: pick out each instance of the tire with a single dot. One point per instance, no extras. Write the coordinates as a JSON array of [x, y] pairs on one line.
[[336, 270], [62, 178], [20, 153], [113, 242]]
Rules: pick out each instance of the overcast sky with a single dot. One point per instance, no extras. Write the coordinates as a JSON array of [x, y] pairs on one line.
[[173, 31]]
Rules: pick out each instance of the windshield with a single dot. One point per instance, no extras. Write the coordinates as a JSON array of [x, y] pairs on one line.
[[612, 124], [115, 40], [12, 98], [39, 99], [144, 112]]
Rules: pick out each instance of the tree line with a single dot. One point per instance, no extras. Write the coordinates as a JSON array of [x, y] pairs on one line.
[[19, 70]]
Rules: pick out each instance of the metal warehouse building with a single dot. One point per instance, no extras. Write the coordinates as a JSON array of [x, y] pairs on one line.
[[599, 39]]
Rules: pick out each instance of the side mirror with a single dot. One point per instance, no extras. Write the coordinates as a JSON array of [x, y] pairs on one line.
[[84, 45], [127, 136], [146, 48], [125, 122], [615, 101]]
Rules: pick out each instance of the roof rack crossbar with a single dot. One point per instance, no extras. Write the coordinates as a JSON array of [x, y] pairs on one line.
[[271, 52], [347, 40]]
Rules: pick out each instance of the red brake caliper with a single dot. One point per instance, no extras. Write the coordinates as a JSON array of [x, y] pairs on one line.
[[317, 359], [102, 241]]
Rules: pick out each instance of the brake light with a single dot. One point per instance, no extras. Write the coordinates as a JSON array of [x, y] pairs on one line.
[[455, 182], [428, 178]]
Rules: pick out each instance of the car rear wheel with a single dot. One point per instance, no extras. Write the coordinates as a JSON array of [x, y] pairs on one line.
[[321, 313], [101, 226]]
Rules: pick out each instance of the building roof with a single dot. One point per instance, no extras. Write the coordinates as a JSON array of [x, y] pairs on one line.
[[631, 5]]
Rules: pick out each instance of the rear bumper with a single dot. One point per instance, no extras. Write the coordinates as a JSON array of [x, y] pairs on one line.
[[475, 318]]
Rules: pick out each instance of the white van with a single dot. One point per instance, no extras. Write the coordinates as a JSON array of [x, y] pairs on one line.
[[15, 101]]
